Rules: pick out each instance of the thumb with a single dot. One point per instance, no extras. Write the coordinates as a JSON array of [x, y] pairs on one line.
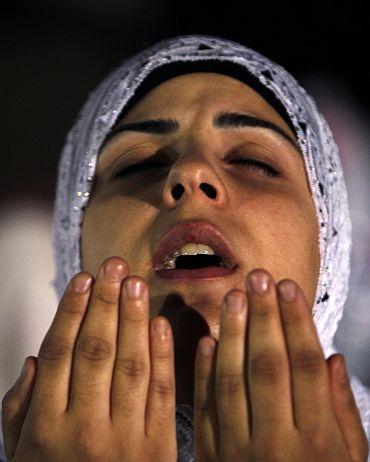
[[15, 405], [346, 410]]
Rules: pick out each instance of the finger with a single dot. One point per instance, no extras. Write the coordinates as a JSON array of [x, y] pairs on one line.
[[230, 377], [346, 410], [95, 349], [161, 404], [268, 371], [132, 365], [309, 372], [206, 429], [50, 396], [15, 406]]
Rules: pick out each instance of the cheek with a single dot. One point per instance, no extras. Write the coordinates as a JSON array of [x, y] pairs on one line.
[[288, 231], [100, 230], [96, 237], [113, 227]]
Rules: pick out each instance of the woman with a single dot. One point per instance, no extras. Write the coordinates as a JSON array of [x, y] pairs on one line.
[[240, 161]]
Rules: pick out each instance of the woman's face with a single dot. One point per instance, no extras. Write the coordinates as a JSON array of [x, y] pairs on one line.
[[269, 220]]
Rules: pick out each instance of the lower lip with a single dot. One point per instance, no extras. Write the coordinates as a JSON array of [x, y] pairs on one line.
[[202, 273]]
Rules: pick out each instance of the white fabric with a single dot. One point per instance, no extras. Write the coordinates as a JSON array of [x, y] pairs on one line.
[[322, 162]]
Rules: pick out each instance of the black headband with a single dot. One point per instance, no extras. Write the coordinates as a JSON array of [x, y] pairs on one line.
[[168, 71]]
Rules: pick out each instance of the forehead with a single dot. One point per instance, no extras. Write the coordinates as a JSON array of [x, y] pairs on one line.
[[206, 92]]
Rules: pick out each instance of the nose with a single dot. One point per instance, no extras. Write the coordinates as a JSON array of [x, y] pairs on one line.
[[193, 178], [209, 190]]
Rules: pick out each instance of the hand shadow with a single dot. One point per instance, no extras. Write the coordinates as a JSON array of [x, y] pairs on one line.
[[188, 327]]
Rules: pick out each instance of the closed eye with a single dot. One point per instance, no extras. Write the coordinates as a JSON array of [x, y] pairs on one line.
[[253, 164], [257, 165], [140, 165]]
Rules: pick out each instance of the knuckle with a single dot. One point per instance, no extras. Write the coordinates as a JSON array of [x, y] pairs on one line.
[[168, 409], [308, 360], [161, 386], [262, 311], [267, 365], [106, 299], [229, 384], [70, 306], [94, 348], [54, 348], [202, 407], [163, 354], [134, 314], [126, 406], [133, 367]]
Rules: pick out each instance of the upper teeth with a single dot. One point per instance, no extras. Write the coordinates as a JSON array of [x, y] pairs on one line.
[[190, 248], [193, 249]]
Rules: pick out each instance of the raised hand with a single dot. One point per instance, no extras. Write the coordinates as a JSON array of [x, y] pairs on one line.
[[104, 388], [265, 391]]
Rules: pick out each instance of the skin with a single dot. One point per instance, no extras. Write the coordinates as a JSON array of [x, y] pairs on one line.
[[265, 393], [270, 222]]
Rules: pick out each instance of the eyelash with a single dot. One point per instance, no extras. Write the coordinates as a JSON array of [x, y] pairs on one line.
[[253, 163], [258, 165]]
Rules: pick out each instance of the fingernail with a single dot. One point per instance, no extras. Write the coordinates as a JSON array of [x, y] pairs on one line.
[[234, 303], [82, 284], [161, 328], [114, 270], [207, 348], [259, 282], [287, 291], [135, 289]]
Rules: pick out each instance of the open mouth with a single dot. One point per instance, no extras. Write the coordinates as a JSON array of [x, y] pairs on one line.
[[198, 261], [196, 267]]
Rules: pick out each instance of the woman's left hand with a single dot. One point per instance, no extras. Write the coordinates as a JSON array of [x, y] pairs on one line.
[[267, 393]]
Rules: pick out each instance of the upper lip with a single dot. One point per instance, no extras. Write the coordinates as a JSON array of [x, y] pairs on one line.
[[199, 232]]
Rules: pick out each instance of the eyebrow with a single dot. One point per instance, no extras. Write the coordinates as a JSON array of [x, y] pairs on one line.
[[223, 120]]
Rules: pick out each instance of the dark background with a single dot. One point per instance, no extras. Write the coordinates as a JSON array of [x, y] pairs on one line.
[[53, 53]]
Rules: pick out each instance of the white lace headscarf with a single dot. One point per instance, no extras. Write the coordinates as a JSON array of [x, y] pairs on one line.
[[323, 166]]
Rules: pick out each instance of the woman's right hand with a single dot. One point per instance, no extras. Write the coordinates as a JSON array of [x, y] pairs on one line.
[[102, 391]]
